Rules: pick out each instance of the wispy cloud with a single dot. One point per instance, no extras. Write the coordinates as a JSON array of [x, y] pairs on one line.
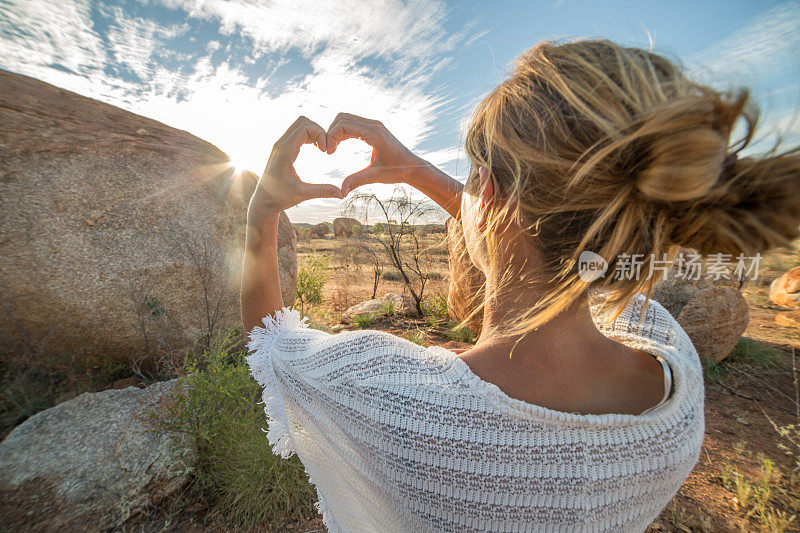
[[241, 84], [764, 56], [761, 48]]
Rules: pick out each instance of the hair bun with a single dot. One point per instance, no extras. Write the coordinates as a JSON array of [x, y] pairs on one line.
[[686, 151]]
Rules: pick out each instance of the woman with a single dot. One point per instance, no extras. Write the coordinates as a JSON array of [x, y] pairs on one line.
[[568, 414]]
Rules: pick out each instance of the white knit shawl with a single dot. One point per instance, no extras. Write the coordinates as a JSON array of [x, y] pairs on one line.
[[397, 437]]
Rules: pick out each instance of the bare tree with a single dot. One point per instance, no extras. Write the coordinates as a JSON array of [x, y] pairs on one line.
[[364, 249], [400, 213], [207, 261]]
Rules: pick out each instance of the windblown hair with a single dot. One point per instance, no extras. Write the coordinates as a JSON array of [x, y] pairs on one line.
[[595, 146]]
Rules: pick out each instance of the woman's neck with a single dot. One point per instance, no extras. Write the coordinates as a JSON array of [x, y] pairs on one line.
[[571, 331]]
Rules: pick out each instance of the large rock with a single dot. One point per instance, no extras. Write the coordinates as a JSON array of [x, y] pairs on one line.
[[465, 288], [713, 313], [90, 463], [346, 227], [320, 230], [715, 319], [785, 290], [116, 231], [369, 307], [402, 304]]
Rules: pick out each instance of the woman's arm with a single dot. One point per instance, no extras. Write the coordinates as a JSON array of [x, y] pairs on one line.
[[278, 189], [393, 163]]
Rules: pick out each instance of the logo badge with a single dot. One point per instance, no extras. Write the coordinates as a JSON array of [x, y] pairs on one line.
[[591, 266]]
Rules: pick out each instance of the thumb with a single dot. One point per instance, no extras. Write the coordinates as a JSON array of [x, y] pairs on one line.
[[362, 177], [322, 190]]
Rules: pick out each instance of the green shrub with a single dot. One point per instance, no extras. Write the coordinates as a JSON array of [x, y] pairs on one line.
[[311, 277], [304, 234], [218, 403], [460, 333], [363, 321], [388, 309], [435, 306], [378, 228]]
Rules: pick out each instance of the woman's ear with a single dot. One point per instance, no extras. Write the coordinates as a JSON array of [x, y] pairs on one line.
[[487, 196]]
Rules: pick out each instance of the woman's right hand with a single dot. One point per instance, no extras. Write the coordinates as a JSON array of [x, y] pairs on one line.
[[391, 162]]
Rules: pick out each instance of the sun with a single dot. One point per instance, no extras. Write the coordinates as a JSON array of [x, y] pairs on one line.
[[237, 167], [241, 160]]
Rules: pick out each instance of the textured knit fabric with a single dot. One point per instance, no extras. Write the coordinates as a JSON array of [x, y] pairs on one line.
[[396, 437]]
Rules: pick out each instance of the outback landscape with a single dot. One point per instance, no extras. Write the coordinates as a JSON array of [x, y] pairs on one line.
[[125, 402]]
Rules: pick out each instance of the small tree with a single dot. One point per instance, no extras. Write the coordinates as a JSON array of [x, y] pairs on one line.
[[365, 250], [402, 246], [311, 278], [378, 228]]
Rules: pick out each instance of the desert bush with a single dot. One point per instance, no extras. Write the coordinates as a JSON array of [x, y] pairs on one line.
[[304, 234], [378, 228], [363, 321], [416, 336], [311, 277], [756, 498], [218, 402], [388, 309], [460, 333], [340, 299], [435, 306], [435, 275], [392, 275], [359, 252]]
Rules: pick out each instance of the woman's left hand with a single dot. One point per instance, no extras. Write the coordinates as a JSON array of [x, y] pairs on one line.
[[280, 187]]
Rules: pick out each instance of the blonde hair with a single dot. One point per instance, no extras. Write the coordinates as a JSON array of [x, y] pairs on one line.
[[595, 146]]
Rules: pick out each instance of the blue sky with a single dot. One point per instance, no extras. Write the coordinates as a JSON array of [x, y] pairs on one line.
[[238, 72]]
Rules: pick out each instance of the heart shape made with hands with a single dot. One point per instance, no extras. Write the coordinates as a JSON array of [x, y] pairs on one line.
[[316, 166]]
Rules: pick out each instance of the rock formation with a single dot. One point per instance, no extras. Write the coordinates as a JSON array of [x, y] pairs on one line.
[[369, 307], [785, 290], [713, 313], [116, 231], [320, 230], [401, 304], [346, 227], [90, 463], [715, 319], [465, 288]]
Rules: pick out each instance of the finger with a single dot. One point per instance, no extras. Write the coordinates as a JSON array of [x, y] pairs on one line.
[[345, 128], [298, 123], [304, 132], [357, 179], [321, 190]]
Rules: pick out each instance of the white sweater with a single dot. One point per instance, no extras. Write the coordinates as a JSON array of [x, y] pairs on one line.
[[397, 437]]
